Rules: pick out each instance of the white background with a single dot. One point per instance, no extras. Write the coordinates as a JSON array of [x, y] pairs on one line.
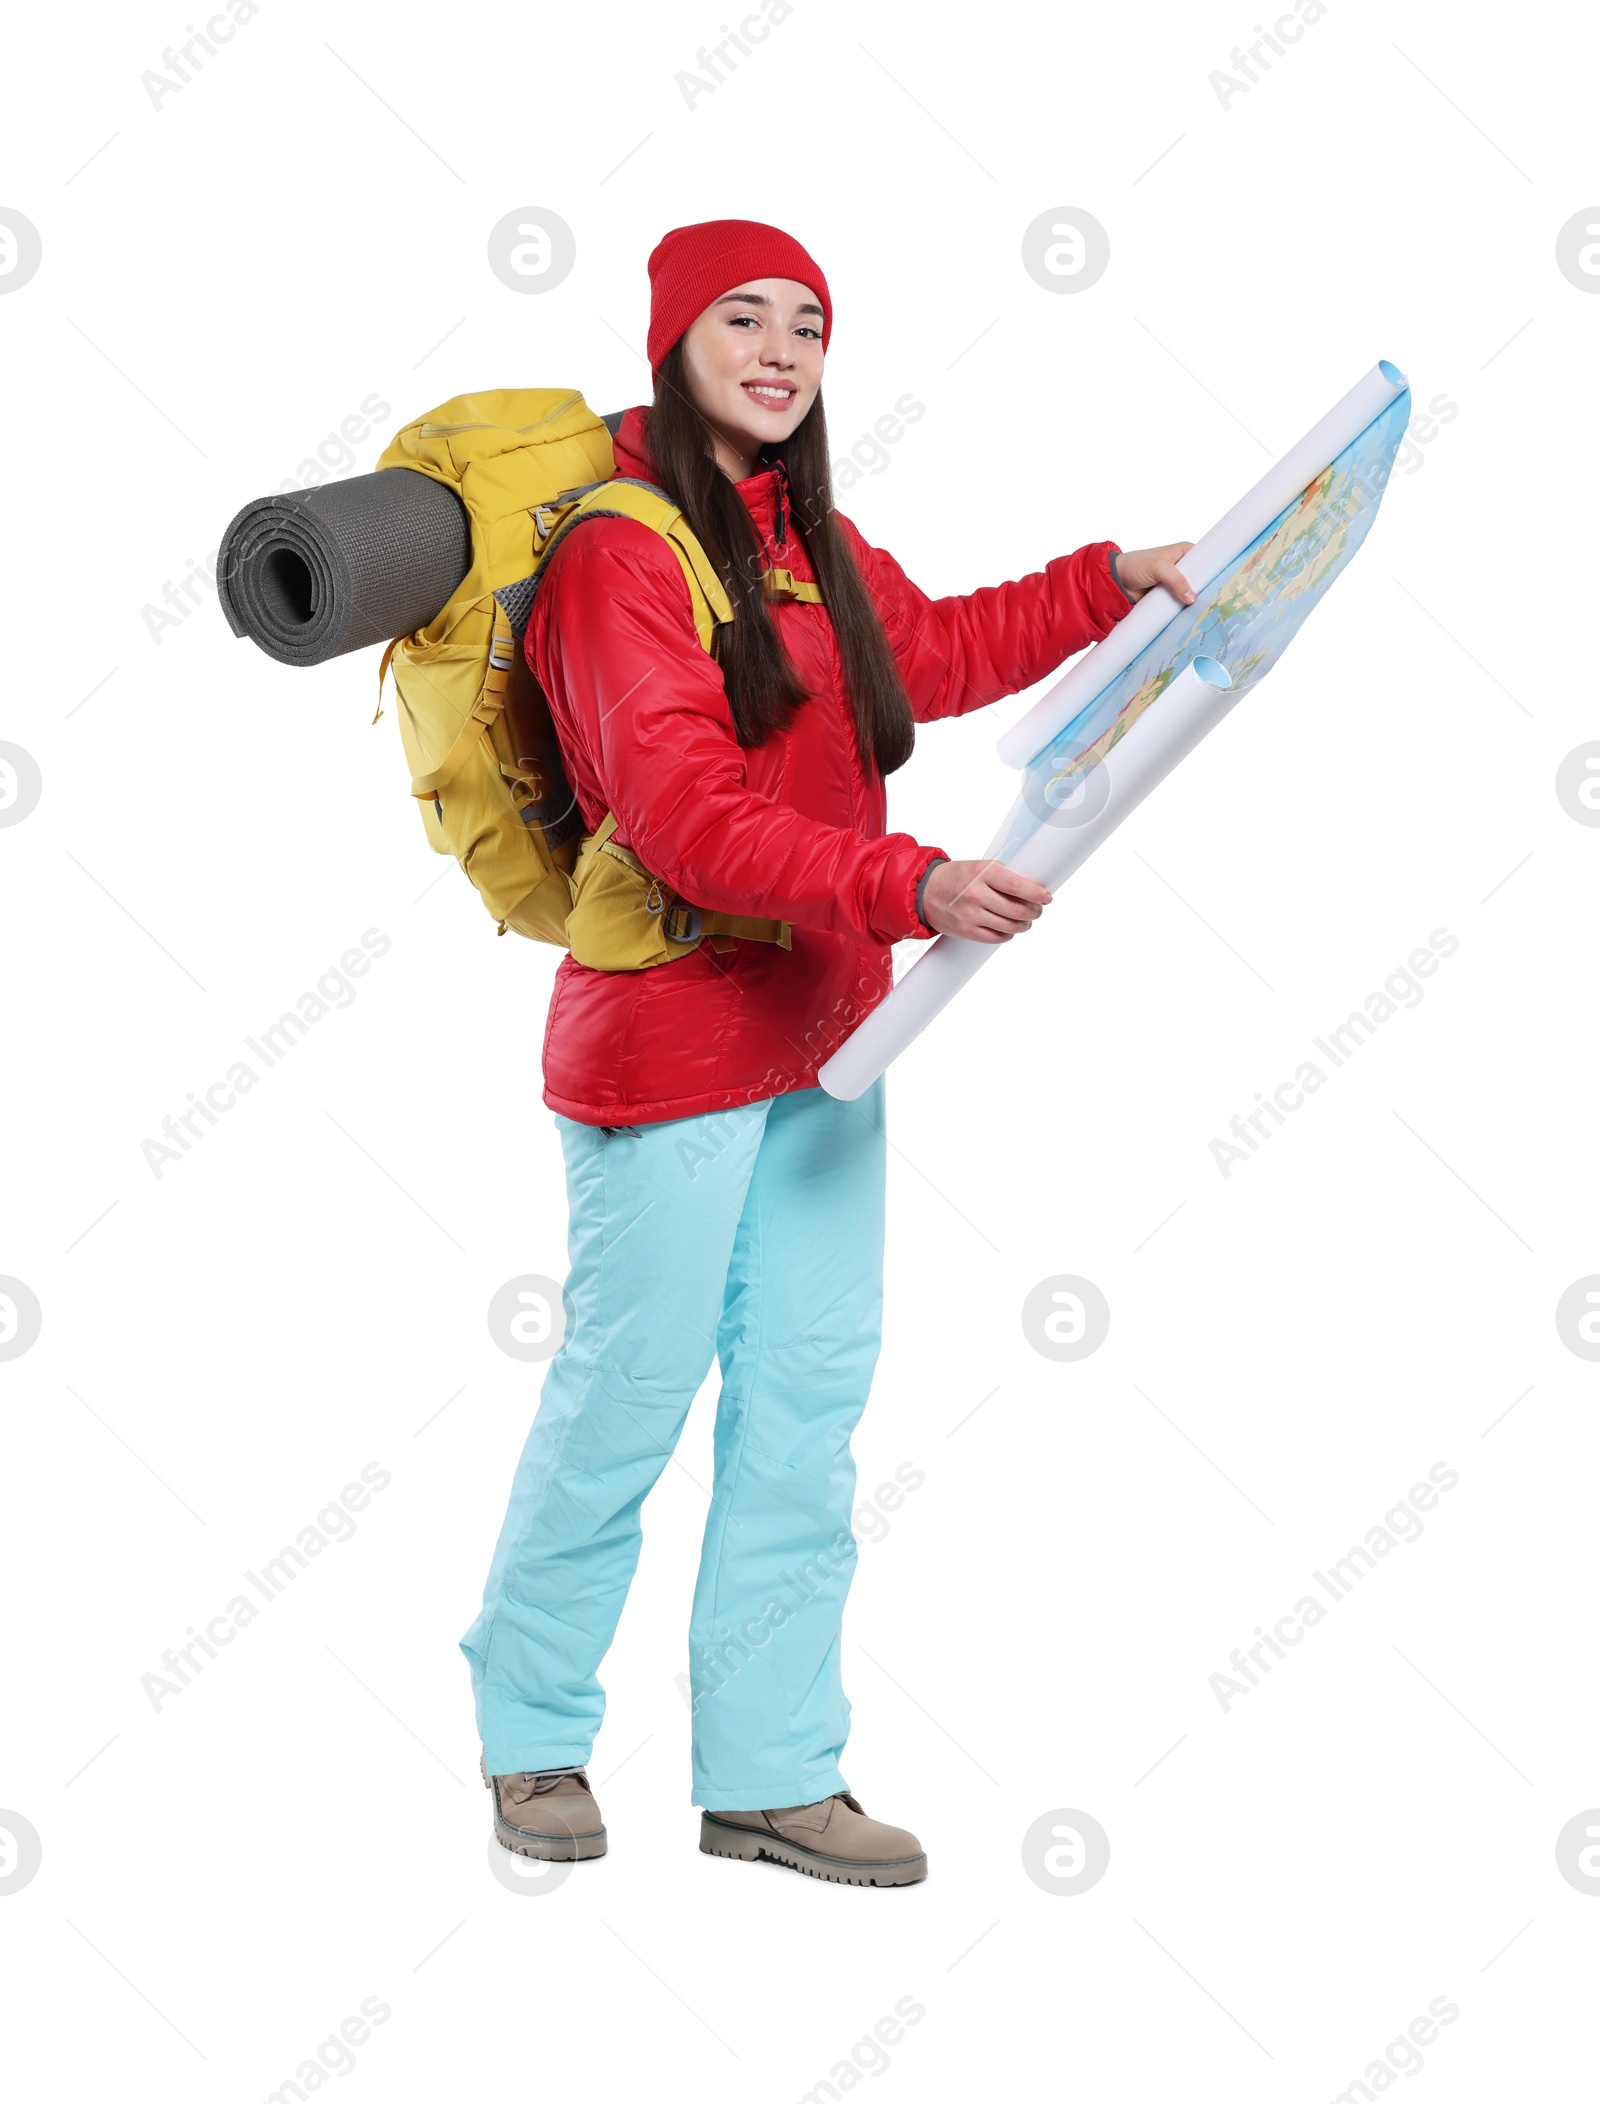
[[1292, 1881]]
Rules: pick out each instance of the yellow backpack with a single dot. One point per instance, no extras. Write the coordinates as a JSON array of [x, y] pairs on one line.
[[530, 464]]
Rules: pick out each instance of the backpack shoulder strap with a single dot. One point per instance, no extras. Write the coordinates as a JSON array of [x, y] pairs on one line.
[[623, 497]]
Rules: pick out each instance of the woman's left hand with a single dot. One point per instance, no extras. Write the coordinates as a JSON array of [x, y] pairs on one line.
[[1140, 568]]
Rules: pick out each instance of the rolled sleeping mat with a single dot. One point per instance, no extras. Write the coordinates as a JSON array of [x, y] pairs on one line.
[[317, 573]]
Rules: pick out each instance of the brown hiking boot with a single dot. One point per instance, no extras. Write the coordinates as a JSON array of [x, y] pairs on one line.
[[551, 1816], [832, 1839]]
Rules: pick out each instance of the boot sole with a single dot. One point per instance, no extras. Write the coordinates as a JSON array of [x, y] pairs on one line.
[[745, 1844], [550, 1848], [544, 1848]]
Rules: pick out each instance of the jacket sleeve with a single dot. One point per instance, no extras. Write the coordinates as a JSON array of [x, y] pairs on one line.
[[614, 628], [959, 654]]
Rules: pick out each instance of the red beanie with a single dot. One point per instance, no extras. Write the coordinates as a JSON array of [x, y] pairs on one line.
[[693, 264]]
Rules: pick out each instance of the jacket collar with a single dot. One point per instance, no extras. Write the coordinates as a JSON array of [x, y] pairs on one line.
[[760, 491]]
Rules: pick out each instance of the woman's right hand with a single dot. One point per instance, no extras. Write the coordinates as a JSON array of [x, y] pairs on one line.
[[981, 901]]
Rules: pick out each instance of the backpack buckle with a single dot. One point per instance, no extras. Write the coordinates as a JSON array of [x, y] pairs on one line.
[[657, 901]]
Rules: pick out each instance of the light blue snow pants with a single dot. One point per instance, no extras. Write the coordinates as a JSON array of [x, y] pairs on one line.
[[754, 1236]]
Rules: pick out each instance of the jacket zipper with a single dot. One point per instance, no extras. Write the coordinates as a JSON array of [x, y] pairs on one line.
[[780, 534]]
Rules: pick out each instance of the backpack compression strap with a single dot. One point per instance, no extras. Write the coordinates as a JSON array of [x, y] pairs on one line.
[[696, 921]]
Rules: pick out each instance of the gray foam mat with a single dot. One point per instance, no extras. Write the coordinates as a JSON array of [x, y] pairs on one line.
[[317, 573]]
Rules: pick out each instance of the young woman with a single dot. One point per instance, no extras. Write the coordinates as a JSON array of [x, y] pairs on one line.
[[721, 1203]]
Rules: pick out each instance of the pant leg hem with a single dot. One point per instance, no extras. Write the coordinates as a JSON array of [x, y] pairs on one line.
[[537, 1761], [767, 1796]]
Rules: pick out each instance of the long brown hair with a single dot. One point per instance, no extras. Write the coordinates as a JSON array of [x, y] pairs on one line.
[[764, 690]]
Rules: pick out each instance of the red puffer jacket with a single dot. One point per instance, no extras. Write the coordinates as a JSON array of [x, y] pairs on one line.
[[793, 830]]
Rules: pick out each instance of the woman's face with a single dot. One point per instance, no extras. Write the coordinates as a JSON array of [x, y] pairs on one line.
[[754, 361]]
